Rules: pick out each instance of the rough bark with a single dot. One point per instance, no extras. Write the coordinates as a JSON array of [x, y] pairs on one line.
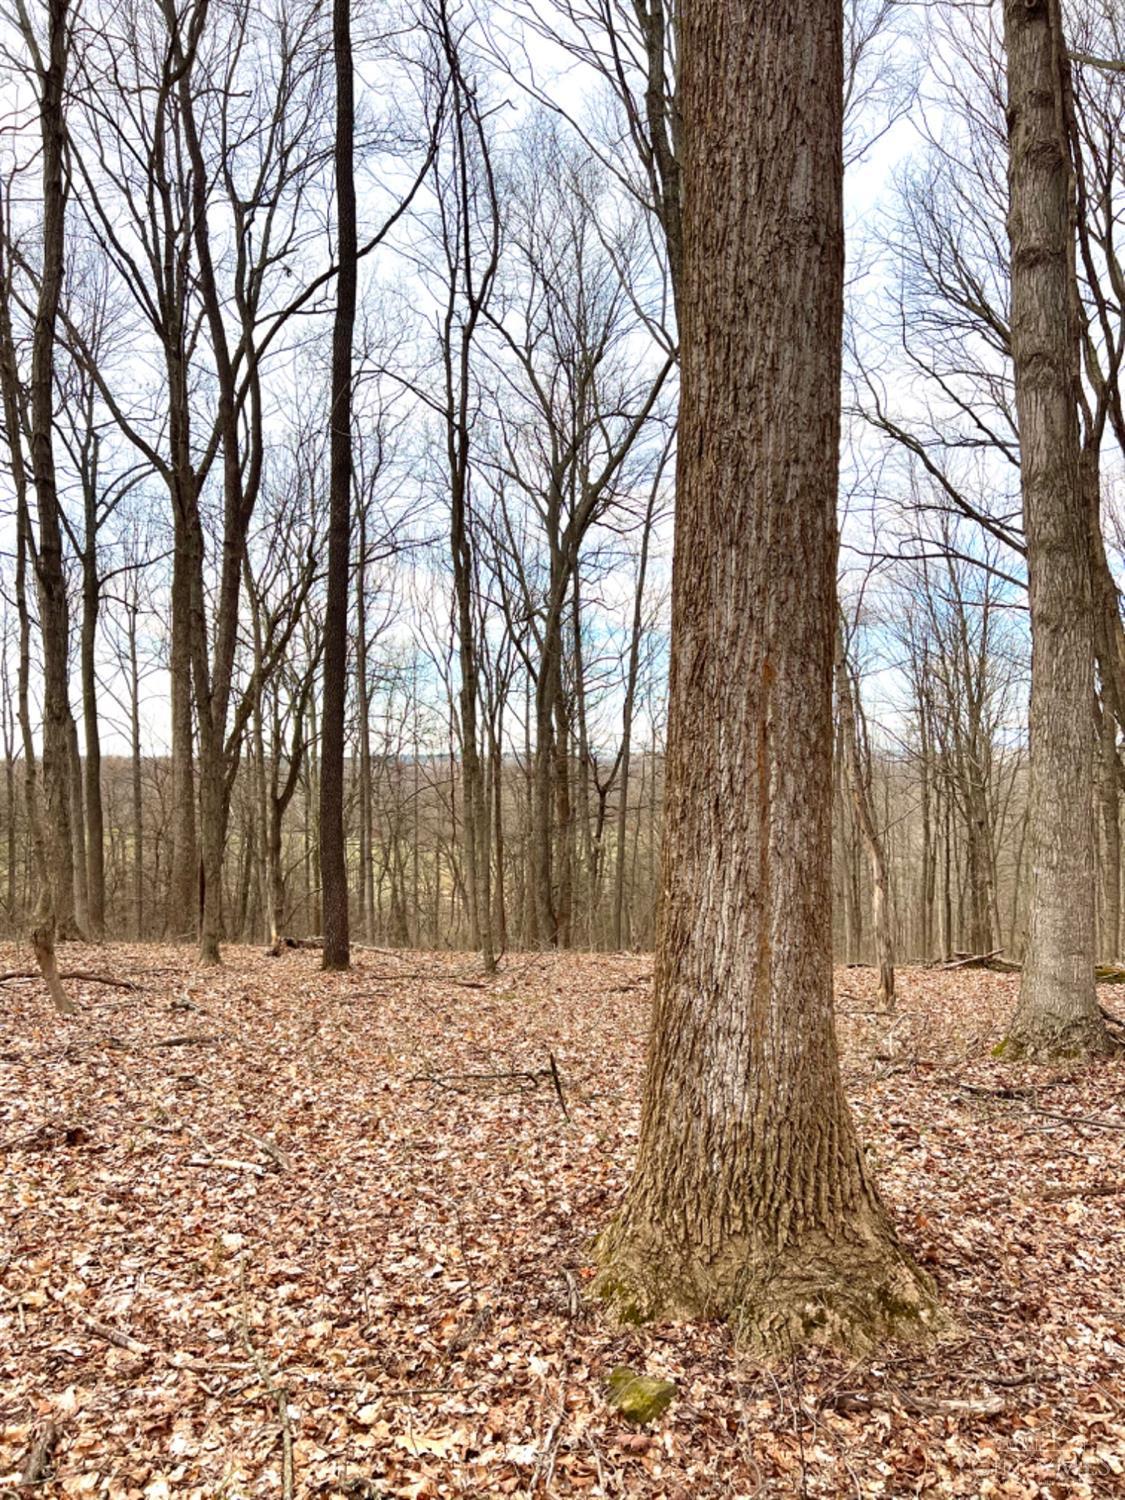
[[751, 1198], [55, 913], [1058, 1011], [333, 860]]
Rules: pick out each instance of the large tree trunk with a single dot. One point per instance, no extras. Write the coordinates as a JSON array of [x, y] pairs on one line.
[[1058, 1011], [751, 1197]]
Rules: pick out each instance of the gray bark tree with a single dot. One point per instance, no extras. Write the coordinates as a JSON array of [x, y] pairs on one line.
[[54, 913], [857, 768], [751, 1197], [1058, 1011]]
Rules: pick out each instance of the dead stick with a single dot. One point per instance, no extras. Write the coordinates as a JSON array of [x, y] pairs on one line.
[[80, 974], [231, 1163], [275, 1391], [39, 1456], [1054, 1114], [281, 1159], [557, 1081], [113, 1335], [1094, 1190], [124, 1340]]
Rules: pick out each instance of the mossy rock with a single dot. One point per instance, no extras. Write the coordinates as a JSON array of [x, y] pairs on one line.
[[639, 1398]]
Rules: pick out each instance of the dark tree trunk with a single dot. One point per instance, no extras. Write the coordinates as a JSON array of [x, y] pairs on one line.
[[333, 861], [751, 1197], [56, 913]]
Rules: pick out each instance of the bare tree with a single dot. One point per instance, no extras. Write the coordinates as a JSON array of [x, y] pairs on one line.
[[333, 862], [55, 912], [1058, 1010], [857, 768], [751, 1198]]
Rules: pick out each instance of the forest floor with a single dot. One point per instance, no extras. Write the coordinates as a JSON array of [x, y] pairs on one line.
[[266, 1231]]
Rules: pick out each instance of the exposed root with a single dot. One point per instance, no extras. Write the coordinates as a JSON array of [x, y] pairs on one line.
[[852, 1294], [1047, 1039]]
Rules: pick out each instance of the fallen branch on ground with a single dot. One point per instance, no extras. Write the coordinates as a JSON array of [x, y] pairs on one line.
[[122, 1340], [896, 1399], [1004, 1091], [38, 1461], [527, 1079], [1093, 1190], [1055, 1114], [277, 1392], [231, 1163], [1024, 1096], [82, 975], [281, 1160], [994, 960]]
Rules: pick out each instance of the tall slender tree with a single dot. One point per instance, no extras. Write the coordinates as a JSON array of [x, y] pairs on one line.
[[855, 753], [55, 908], [751, 1197], [333, 860], [1058, 1010]]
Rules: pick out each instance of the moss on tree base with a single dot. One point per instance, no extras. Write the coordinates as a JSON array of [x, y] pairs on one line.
[[850, 1295]]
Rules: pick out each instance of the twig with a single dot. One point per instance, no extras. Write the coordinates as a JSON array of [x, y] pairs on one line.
[[276, 1391], [1094, 1190], [194, 1039], [112, 1335], [1054, 1114], [281, 1159], [124, 1340], [450, 1080], [1003, 1092], [557, 1081], [230, 1162]]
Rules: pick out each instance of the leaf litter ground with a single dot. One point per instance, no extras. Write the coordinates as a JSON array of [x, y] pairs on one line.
[[266, 1231]]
